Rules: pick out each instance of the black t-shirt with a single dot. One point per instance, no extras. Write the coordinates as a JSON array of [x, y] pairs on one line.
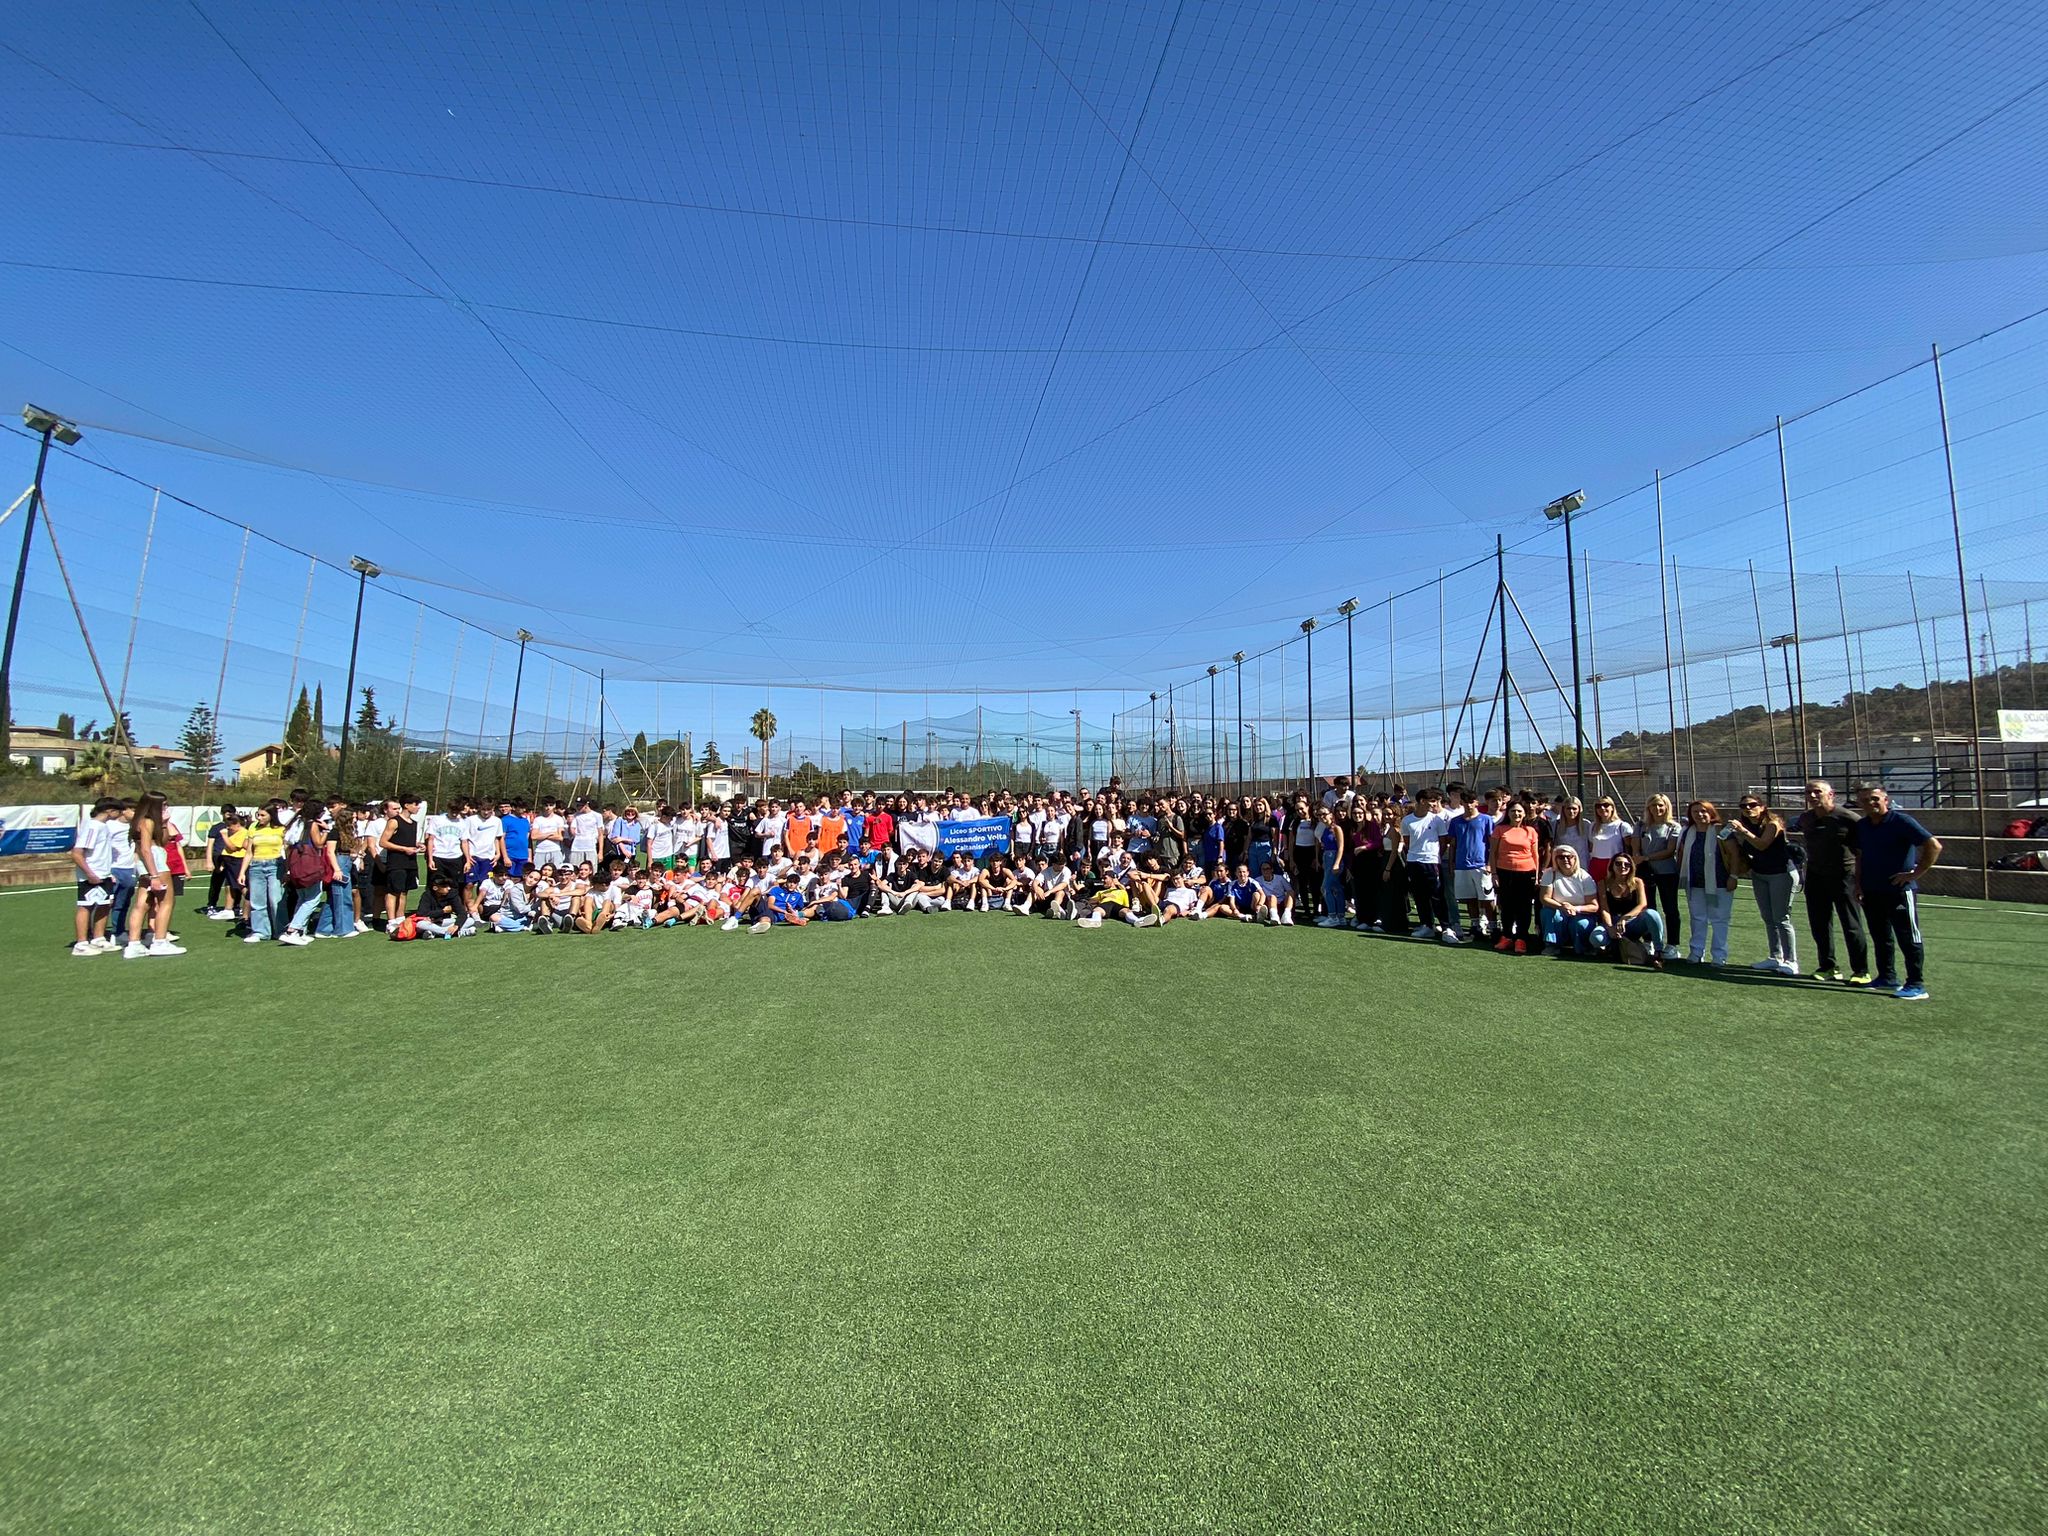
[[905, 875], [1829, 837]]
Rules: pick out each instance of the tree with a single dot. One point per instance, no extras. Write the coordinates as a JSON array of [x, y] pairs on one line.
[[67, 727], [123, 729], [93, 767], [368, 725], [199, 743], [301, 746], [763, 730], [710, 762], [319, 717]]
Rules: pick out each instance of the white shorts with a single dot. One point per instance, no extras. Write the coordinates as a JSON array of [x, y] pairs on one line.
[[583, 853], [1472, 885], [1182, 900]]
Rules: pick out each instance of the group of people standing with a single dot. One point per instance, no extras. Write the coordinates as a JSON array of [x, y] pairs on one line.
[[1499, 867]]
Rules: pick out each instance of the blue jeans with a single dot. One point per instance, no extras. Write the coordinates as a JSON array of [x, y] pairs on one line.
[[304, 903], [124, 896], [1647, 929], [266, 895], [1581, 931], [1708, 910], [1333, 890], [338, 913]]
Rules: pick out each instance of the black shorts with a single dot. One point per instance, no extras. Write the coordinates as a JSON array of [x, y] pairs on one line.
[[455, 869], [401, 873]]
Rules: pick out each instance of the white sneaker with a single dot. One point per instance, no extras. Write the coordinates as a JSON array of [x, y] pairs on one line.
[[1788, 968], [762, 926], [1450, 936], [1329, 922], [165, 949], [1092, 920], [1287, 918], [105, 946], [221, 915], [296, 940], [1765, 965], [135, 952], [83, 948], [1145, 920], [254, 938], [732, 922], [1423, 931], [1670, 951]]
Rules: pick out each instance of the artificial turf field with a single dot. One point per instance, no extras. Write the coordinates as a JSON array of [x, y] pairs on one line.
[[970, 1223]]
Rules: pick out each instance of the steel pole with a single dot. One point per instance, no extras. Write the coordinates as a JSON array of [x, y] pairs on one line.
[[1955, 512], [28, 533], [349, 694]]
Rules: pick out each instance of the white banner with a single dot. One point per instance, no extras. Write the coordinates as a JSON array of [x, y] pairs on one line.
[[2022, 727]]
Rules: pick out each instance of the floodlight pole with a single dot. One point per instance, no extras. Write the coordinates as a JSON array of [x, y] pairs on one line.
[[1152, 715], [1507, 715], [1955, 512], [1214, 769], [1077, 749], [364, 571], [1563, 508], [1238, 661], [518, 676], [48, 427], [1348, 608], [600, 742], [1308, 746]]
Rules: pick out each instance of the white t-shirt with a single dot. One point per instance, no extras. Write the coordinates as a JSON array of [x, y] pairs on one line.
[[547, 829], [96, 846], [1607, 838], [586, 827], [120, 845], [661, 839], [1279, 888], [769, 829], [444, 837], [689, 833], [486, 835], [1576, 889], [1424, 834], [1055, 878], [718, 840]]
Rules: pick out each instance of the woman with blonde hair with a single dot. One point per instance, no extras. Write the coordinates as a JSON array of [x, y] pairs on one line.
[[1655, 850], [1708, 874]]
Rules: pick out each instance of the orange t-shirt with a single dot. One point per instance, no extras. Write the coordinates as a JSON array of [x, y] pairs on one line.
[[796, 834], [831, 833], [1518, 848]]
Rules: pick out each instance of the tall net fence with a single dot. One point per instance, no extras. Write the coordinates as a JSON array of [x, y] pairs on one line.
[[1818, 598]]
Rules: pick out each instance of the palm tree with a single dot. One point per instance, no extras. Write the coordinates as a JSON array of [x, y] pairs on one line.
[[763, 730], [93, 767]]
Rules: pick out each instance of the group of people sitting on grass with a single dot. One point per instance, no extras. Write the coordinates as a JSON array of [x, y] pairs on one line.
[[1503, 868]]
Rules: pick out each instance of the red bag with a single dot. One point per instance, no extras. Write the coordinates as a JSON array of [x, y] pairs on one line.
[[2019, 829], [405, 928]]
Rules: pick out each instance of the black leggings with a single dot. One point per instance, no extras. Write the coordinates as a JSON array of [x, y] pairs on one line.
[[1516, 890], [1308, 879], [1663, 891]]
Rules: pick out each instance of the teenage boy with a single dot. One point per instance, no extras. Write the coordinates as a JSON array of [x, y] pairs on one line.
[[517, 828], [586, 830], [1422, 833], [448, 844], [121, 864], [548, 830], [1466, 838], [92, 855], [439, 915], [1892, 852]]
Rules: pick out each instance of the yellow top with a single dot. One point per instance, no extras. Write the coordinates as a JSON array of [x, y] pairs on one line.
[[266, 842]]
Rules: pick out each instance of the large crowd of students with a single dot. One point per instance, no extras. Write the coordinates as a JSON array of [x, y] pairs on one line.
[[1502, 868]]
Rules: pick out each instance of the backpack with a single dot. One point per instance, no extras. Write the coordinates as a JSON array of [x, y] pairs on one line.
[[2021, 828], [305, 864], [405, 928]]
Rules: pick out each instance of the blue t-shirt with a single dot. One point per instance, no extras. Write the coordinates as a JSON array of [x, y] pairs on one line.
[[1468, 840], [787, 901], [1244, 896], [1887, 847], [518, 839]]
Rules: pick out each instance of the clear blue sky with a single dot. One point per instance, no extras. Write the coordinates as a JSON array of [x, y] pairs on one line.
[[1028, 346]]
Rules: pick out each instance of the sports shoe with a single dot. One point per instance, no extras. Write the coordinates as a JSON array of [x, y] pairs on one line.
[[1521, 946], [106, 946], [761, 927], [165, 949], [83, 948], [1423, 931], [1860, 979], [1671, 952], [296, 940], [221, 915], [728, 925], [1787, 968], [135, 951], [1092, 920], [1913, 994], [1827, 973], [1329, 922], [252, 938], [1765, 965], [1449, 936], [1145, 920], [1505, 945], [1884, 984]]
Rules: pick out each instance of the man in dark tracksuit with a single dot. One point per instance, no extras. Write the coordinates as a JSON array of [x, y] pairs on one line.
[[1893, 852], [1829, 832]]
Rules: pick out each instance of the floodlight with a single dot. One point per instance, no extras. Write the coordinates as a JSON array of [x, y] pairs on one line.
[[363, 567], [1238, 657], [40, 420], [1212, 671], [524, 637], [1564, 506], [1308, 625], [1348, 607]]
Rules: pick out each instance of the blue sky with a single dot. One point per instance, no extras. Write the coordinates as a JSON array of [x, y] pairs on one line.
[[1035, 348]]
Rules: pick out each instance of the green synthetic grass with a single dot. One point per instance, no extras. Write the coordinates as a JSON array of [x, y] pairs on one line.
[[968, 1223]]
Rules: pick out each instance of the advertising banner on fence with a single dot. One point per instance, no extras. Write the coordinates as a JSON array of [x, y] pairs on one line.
[[2021, 727], [39, 828]]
